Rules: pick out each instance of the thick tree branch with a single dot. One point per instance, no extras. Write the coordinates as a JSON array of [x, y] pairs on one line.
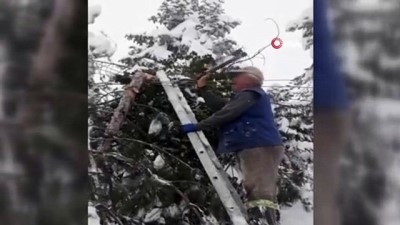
[[123, 108]]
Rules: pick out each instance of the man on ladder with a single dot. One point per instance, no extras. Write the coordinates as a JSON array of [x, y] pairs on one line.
[[247, 128]]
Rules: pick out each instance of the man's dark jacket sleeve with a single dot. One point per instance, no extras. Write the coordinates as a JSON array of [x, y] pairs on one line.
[[231, 111], [214, 102]]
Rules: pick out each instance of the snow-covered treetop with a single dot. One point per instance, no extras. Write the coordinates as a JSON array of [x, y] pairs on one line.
[[100, 45], [94, 12], [185, 27], [305, 24]]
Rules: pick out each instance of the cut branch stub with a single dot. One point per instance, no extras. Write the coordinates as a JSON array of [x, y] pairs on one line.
[[124, 105]]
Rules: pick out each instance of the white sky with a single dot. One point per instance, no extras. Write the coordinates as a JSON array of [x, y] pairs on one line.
[[120, 17]]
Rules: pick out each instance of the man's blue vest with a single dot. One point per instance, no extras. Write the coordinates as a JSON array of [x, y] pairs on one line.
[[254, 128]]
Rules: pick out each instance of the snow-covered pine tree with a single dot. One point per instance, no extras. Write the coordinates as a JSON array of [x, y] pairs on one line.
[[293, 110]]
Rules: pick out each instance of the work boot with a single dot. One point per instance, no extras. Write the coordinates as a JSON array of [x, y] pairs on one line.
[[270, 215], [256, 216], [262, 216]]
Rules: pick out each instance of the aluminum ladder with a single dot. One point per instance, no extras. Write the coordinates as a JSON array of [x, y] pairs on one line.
[[219, 179]]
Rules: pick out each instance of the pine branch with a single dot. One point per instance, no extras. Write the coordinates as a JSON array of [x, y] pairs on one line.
[[184, 197], [155, 147]]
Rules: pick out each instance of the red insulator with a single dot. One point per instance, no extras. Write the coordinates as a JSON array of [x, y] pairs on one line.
[[274, 43]]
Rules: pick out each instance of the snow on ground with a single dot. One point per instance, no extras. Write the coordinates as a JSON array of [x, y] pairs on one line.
[[296, 215]]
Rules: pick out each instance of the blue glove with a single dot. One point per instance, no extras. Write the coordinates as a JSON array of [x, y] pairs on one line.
[[190, 127]]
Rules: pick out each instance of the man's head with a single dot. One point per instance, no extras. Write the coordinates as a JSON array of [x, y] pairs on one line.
[[246, 77]]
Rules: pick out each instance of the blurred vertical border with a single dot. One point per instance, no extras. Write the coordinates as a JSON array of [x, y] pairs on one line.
[[357, 121], [43, 112]]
